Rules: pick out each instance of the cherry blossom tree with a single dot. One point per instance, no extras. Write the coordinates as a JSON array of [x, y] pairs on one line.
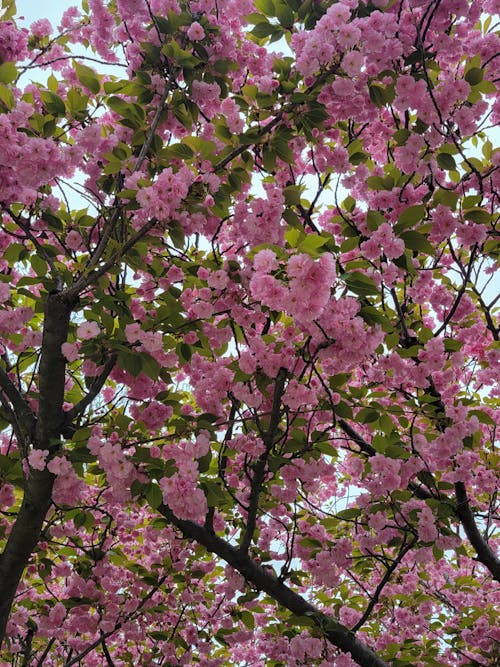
[[249, 355]]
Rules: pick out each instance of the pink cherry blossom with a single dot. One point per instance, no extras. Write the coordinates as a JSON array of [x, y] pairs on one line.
[[88, 330]]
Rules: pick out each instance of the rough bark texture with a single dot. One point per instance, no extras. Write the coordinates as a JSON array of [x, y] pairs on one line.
[[26, 530]]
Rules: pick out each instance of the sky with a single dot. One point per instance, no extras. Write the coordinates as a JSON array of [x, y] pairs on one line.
[[37, 9]]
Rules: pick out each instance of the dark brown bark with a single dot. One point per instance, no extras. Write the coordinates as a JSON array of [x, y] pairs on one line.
[[36, 502], [336, 633], [483, 550]]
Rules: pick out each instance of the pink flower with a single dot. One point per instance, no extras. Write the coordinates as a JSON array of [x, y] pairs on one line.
[[195, 32], [70, 351], [265, 261], [58, 465], [37, 458], [7, 497], [184, 498], [57, 614], [73, 240], [41, 28], [4, 292], [133, 332], [88, 330]]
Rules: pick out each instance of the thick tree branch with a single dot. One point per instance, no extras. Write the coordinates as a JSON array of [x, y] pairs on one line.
[[336, 633], [26, 530], [483, 550], [52, 371]]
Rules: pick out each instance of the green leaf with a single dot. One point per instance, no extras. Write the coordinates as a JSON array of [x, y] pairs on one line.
[[358, 158], [344, 410], [311, 243], [53, 221], [292, 218], [268, 158], [184, 352], [176, 233], [248, 619], [150, 366], [376, 95], [53, 103], [292, 194], [6, 96], [8, 72], [486, 87], [372, 315], [360, 284], [349, 244], [284, 14], [349, 514], [181, 151], [131, 362], [446, 197], [416, 241], [39, 266], [127, 110], [204, 147], [483, 417], [374, 219], [401, 136], [216, 496], [349, 204], [262, 30], [479, 215], [87, 77], [367, 415], [377, 183], [283, 150], [154, 496], [452, 345], [397, 452], [409, 217], [474, 76], [446, 161], [265, 6]]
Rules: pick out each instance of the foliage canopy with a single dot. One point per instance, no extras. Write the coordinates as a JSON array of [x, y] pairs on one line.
[[249, 371]]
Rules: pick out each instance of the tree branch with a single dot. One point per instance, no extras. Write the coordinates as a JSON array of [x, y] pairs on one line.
[[25, 532], [357, 438], [93, 392], [462, 509], [46, 652], [104, 635], [16, 427], [154, 124], [385, 579], [483, 550], [336, 633], [368, 449], [86, 280], [260, 465], [22, 410]]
